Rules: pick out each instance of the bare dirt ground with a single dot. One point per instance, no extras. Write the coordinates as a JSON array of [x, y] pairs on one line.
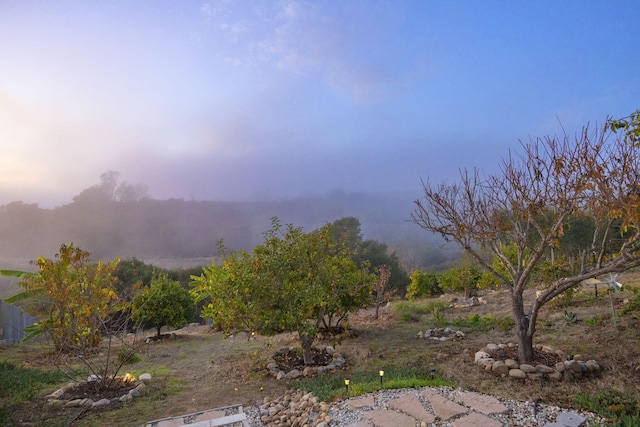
[[201, 370]]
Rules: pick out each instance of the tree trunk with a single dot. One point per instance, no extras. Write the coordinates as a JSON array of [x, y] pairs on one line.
[[307, 355], [524, 333], [158, 328]]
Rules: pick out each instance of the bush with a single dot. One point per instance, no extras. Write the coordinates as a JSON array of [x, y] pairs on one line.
[[465, 278], [164, 302], [479, 323], [409, 311], [634, 303], [423, 284], [437, 310], [18, 384], [595, 321], [623, 408]]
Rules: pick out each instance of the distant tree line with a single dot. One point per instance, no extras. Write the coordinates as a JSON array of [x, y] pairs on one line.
[[113, 219]]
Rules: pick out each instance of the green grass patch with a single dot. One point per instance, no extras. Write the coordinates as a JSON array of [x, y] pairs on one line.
[[623, 408], [328, 388], [477, 323], [596, 321], [18, 384], [414, 311]]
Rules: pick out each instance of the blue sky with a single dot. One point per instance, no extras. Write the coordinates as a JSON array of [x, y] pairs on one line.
[[238, 100]]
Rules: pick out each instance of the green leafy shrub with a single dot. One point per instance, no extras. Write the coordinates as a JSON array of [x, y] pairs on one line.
[[18, 384], [623, 408], [634, 303], [595, 321], [410, 311], [127, 355], [164, 302], [565, 299], [437, 310], [423, 284], [465, 278], [475, 322], [570, 316]]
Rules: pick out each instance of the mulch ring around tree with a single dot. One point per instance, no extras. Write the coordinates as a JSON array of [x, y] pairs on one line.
[[539, 357], [94, 390], [289, 359], [164, 337]]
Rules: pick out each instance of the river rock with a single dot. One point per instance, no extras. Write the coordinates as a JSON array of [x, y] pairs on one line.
[[517, 373]]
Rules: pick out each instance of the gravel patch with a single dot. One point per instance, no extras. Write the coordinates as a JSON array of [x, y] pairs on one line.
[[519, 414]]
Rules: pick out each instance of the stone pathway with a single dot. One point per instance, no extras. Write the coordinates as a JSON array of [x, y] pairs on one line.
[[411, 410]]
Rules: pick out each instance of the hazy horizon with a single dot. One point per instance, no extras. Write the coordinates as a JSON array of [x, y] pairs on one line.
[[272, 100]]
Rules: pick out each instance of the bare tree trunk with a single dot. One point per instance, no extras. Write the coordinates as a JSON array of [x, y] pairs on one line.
[[524, 333], [307, 355]]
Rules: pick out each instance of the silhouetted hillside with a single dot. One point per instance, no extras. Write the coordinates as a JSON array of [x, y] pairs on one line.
[[173, 229]]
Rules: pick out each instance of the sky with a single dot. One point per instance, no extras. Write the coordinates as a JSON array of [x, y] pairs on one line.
[[268, 100]]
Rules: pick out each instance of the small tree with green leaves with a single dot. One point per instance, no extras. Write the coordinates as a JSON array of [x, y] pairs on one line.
[[464, 278], [423, 284], [293, 281], [78, 297], [164, 303]]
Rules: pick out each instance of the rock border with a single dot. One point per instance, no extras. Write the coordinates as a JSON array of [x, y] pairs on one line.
[[294, 408], [140, 388], [570, 368], [337, 361], [440, 334]]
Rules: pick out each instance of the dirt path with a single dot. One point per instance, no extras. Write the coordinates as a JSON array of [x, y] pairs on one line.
[[209, 371]]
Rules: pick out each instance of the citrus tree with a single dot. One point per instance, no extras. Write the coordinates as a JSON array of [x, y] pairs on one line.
[[522, 212], [79, 296], [164, 303], [291, 282], [423, 284]]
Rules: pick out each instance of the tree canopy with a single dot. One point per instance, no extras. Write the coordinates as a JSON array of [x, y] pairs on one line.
[[293, 281], [520, 213], [79, 296], [164, 303]]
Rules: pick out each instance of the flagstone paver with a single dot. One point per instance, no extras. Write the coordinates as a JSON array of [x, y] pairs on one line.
[[476, 419], [411, 405], [387, 418], [483, 403], [570, 419], [361, 402], [443, 407], [208, 416]]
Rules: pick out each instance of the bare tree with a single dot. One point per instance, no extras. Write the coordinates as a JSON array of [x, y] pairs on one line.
[[527, 205], [383, 274]]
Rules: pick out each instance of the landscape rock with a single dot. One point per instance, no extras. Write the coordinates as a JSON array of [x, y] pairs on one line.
[[101, 402], [139, 388], [517, 373], [574, 368], [499, 367], [145, 377], [295, 408], [337, 361], [440, 334], [512, 364], [481, 355]]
